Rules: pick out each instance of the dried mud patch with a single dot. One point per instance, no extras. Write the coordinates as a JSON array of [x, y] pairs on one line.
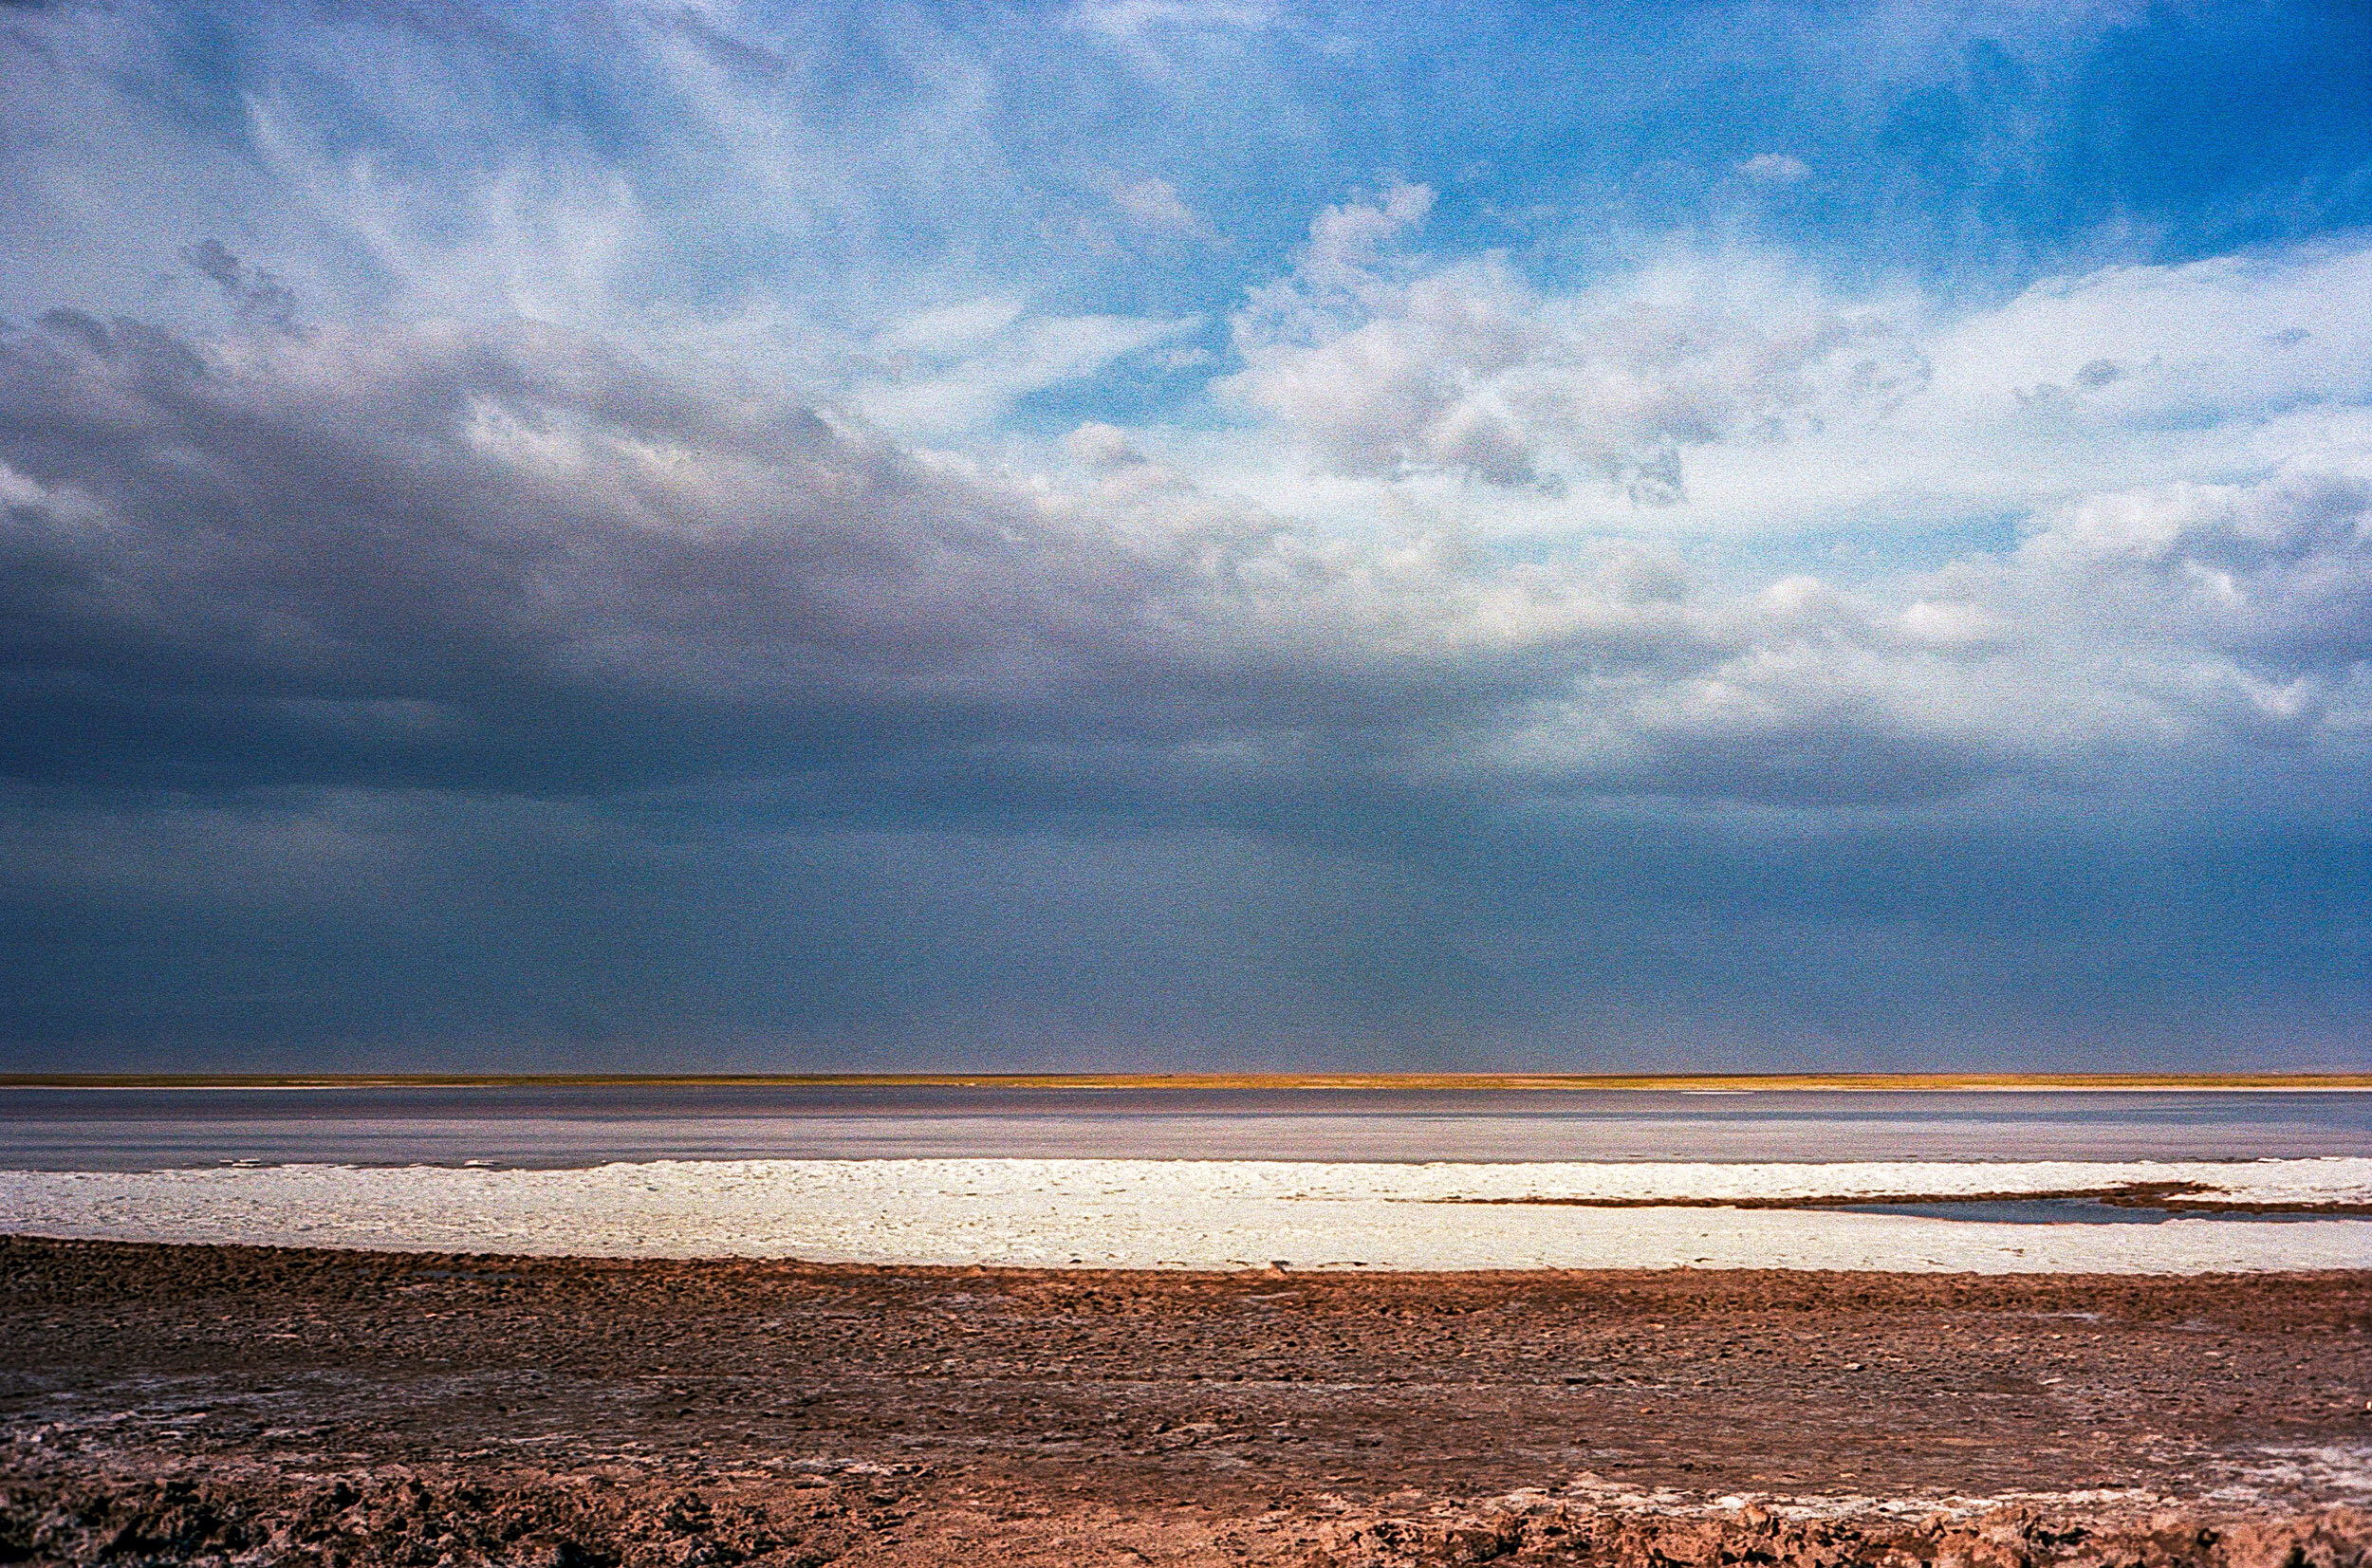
[[2109, 1532], [426, 1518], [445, 1518], [230, 1404]]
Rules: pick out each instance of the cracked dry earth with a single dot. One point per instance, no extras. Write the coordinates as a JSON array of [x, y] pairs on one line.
[[196, 1404]]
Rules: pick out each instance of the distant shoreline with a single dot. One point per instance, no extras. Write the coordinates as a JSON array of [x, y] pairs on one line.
[[1571, 1083]]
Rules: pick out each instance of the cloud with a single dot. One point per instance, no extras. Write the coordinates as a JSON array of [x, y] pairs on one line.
[[2202, 343], [1740, 398], [961, 367], [2264, 589], [513, 559], [517, 560], [1130, 19], [255, 294], [1776, 169], [1379, 363], [1155, 204], [1101, 446]]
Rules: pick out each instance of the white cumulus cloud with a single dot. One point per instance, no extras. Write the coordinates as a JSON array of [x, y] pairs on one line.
[[1376, 362]]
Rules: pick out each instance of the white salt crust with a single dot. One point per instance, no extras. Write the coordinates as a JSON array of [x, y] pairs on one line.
[[1119, 1213]]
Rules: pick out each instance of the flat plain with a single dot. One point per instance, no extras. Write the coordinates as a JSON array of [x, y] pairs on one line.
[[200, 1404]]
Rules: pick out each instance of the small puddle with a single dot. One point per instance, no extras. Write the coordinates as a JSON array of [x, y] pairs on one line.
[[2138, 1202], [2056, 1212]]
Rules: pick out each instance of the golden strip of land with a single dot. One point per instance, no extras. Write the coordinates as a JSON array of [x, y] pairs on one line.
[[1547, 1081]]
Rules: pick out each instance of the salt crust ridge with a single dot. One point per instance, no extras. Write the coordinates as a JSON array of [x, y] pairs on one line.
[[1120, 1213]]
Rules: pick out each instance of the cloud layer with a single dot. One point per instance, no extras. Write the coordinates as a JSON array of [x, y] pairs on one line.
[[519, 604]]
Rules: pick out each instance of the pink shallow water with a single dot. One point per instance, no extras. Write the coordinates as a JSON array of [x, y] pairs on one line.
[[558, 1127]]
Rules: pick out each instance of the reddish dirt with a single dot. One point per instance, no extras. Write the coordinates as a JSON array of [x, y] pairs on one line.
[[198, 1404]]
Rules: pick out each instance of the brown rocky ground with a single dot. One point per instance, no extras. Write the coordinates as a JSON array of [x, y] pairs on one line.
[[201, 1404]]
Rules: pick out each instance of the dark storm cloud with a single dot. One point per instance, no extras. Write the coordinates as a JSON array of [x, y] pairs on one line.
[[255, 294], [510, 560]]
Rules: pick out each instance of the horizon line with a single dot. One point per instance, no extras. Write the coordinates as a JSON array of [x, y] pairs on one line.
[[1279, 1080]]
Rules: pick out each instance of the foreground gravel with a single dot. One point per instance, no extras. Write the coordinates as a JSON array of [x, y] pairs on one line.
[[202, 1404]]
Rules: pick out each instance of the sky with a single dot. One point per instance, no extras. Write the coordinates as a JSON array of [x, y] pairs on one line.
[[1138, 534]]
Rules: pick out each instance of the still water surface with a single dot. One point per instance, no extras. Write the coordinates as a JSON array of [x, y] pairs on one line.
[[550, 1126]]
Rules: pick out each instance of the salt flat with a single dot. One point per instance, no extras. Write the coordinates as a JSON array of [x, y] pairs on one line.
[[1173, 1214], [407, 1409]]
